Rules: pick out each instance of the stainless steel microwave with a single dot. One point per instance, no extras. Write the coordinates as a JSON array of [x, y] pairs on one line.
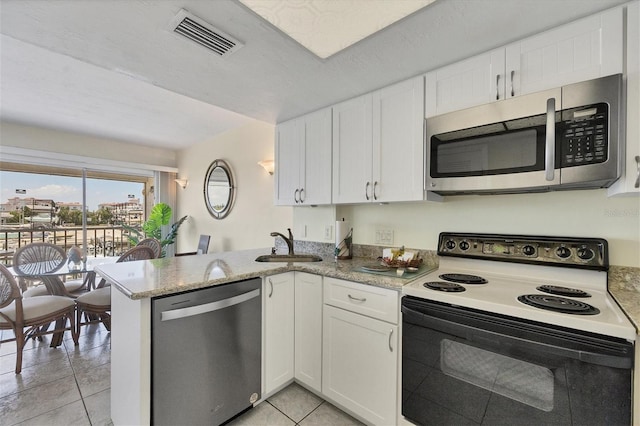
[[570, 137]]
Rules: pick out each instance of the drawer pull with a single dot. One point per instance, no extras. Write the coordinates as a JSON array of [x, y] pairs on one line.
[[390, 334], [357, 299]]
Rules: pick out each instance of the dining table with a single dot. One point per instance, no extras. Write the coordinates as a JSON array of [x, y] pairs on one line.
[[53, 276]]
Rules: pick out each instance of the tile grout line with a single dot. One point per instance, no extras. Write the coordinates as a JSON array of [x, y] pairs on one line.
[[75, 378], [311, 412]]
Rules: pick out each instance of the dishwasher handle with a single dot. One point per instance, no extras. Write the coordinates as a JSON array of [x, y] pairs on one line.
[[208, 307]]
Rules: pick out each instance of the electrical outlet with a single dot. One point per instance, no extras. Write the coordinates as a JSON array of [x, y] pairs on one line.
[[384, 236], [303, 231], [328, 232]]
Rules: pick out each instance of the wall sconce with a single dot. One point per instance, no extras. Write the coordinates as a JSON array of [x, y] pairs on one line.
[[182, 182], [268, 165]]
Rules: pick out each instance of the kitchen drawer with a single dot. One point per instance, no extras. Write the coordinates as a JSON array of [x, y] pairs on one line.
[[363, 299]]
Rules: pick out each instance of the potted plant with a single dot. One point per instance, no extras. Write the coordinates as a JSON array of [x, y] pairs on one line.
[[160, 216]]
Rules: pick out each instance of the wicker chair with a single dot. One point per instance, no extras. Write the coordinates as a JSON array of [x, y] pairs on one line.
[[27, 318], [154, 244], [96, 304], [44, 258]]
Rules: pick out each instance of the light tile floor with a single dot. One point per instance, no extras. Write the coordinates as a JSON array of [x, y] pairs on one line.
[[70, 385]]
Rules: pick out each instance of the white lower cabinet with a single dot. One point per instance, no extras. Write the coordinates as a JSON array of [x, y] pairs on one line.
[[308, 330], [360, 359], [278, 362]]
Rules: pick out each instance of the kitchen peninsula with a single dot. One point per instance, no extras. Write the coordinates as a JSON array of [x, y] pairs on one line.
[[135, 284]]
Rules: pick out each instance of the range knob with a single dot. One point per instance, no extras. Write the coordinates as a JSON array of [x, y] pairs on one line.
[[528, 250], [585, 253], [450, 244], [464, 245], [563, 252]]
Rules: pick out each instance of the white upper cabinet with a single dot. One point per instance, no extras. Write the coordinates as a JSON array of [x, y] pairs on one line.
[[629, 182], [352, 150], [303, 160], [471, 82], [398, 142], [581, 50], [378, 145]]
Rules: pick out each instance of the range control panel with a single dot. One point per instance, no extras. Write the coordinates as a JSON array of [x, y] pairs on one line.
[[591, 253]]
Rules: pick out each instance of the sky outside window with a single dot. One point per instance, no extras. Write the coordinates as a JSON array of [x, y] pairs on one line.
[[67, 189]]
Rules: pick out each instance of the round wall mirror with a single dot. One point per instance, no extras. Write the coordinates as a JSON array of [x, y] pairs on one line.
[[219, 189]]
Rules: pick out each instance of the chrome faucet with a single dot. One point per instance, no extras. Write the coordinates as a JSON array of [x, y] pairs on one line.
[[289, 240]]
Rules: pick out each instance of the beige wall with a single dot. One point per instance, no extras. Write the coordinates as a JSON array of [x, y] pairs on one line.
[[571, 213], [36, 138], [253, 216]]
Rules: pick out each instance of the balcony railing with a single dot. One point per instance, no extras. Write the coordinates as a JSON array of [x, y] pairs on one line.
[[102, 241]]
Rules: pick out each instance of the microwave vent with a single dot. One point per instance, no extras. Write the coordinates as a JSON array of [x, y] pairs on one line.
[[205, 34]]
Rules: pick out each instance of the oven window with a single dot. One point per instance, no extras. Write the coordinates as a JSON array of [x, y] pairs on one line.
[[522, 381], [515, 151]]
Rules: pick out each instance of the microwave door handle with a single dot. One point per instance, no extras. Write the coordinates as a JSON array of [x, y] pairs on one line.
[[550, 140]]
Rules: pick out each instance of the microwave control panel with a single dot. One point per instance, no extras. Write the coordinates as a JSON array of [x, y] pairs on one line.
[[584, 135]]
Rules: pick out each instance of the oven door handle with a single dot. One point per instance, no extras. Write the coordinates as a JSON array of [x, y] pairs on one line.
[[497, 341]]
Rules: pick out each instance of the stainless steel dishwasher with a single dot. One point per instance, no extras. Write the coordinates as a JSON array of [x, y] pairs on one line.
[[206, 354]]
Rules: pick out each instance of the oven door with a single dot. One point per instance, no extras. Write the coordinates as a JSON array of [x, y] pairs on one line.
[[463, 366], [504, 146]]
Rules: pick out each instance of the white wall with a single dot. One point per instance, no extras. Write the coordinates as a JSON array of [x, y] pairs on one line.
[[570, 213], [253, 215], [36, 138]]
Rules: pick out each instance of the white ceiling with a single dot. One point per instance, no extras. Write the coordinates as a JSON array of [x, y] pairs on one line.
[[114, 68]]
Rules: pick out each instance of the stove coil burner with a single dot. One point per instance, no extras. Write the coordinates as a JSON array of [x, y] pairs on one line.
[[563, 291], [444, 286], [464, 278], [558, 304]]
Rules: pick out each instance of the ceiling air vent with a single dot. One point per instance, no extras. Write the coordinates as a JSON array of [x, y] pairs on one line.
[[204, 33]]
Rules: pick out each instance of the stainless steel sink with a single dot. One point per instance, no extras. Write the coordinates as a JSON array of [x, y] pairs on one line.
[[289, 258]]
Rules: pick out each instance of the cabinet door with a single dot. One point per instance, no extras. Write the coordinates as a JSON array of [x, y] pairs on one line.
[[316, 177], [308, 330], [398, 124], [360, 364], [289, 150], [629, 182], [278, 334], [352, 151], [474, 81], [581, 50]]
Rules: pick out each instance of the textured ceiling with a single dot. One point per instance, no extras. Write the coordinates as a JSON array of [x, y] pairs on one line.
[[326, 27], [115, 69]]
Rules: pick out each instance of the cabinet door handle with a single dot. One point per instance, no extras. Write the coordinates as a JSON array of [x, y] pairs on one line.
[[366, 190], [550, 140], [375, 185], [270, 287], [497, 87], [512, 92], [295, 196], [301, 195], [357, 299], [637, 184], [390, 334]]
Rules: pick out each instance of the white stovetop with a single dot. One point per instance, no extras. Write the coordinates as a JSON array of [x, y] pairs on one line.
[[500, 294]]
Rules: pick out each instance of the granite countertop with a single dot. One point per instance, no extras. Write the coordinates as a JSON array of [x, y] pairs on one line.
[[157, 277], [624, 286]]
